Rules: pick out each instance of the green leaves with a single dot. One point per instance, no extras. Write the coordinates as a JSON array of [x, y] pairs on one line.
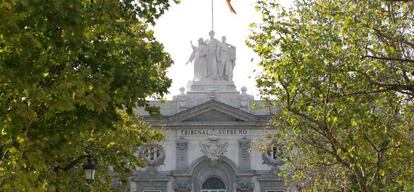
[[338, 71], [66, 70]]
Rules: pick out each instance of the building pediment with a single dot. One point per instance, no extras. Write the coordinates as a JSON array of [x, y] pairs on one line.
[[213, 111]]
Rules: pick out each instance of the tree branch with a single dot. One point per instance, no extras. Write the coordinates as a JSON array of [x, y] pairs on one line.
[[73, 163], [371, 143], [401, 39], [388, 58], [361, 93]]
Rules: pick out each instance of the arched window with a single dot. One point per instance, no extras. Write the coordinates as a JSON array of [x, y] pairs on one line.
[[152, 153], [213, 184]]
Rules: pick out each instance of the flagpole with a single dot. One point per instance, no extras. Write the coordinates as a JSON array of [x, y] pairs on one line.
[[212, 15]]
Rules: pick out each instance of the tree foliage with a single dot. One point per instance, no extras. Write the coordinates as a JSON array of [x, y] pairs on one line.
[[71, 73], [341, 73]]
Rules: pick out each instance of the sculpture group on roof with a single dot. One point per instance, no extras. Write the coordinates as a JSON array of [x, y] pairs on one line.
[[213, 60]]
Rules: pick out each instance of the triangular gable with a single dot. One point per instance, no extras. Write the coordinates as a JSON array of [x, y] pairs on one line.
[[213, 111]]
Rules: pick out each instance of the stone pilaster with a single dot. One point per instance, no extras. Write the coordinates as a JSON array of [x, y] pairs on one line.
[[244, 155], [182, 154]]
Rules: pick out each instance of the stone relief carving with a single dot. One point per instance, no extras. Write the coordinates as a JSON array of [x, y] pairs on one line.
[[182, 186], [273, 157], [213, 149], [153, 154], [244, 143], [270, 161], [244, 186], [213, 60], [182, 143]]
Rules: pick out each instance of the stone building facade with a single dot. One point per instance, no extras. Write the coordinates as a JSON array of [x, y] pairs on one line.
[[209, 135]]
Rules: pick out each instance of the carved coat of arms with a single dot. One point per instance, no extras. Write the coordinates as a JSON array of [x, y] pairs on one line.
[[213, 149]]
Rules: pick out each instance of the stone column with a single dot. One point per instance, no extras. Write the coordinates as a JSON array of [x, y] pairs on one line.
[[182, 154], [244, 155]]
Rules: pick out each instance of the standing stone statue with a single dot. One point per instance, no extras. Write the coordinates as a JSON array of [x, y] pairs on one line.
[[199, 56], [227, 59], [212, 54], [213, 60]]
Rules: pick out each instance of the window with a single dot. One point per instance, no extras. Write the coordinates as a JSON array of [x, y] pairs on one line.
[[152, 153], [272, 153], [213, 184]]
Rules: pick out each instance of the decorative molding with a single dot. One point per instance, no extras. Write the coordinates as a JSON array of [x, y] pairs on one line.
[[244, 186], [236, 113], [224, 168], [244, 143], [182, 144], [272, 183], [182, 186], [213, 149]]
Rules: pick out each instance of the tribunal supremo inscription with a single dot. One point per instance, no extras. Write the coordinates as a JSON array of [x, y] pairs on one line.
[[213, 132]]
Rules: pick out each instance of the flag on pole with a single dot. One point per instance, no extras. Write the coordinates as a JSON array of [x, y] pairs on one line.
[[230, 7]]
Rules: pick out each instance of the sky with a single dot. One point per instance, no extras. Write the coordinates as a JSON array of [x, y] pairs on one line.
[[190, 20]]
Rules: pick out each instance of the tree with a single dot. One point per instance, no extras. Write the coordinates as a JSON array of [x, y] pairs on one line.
[[341, 74], [71, 73]]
